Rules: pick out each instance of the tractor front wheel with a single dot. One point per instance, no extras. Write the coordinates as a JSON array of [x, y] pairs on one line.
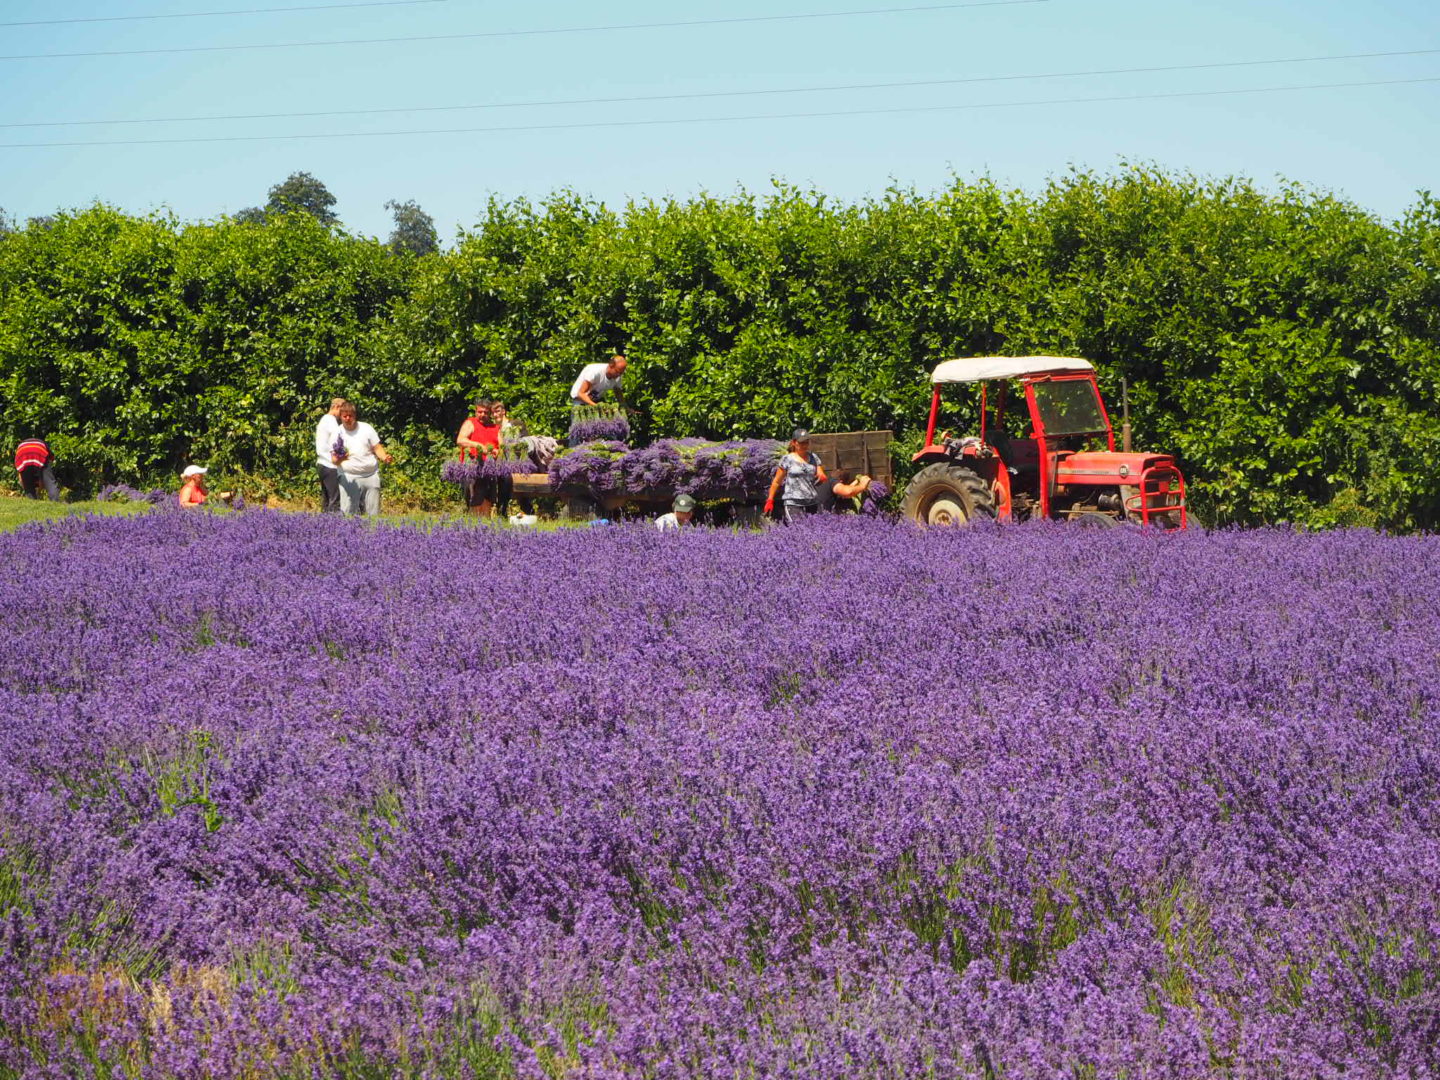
[[945, 494]]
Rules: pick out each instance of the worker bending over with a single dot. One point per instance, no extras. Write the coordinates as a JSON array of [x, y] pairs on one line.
[[597, 380]]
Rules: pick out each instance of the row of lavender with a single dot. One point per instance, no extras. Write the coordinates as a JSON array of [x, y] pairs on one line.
[[305, 797]]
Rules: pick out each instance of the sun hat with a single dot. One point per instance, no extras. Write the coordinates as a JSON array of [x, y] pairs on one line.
[[193, 470], [683, 504]]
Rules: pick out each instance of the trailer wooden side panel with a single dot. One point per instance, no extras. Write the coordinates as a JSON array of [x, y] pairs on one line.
[[531, 484], [856, 452]]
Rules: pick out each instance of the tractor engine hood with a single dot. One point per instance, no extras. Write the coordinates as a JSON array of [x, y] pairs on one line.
[[1103, 467]]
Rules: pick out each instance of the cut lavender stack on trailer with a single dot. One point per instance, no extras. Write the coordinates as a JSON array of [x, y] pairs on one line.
[[706, 470], [509, 459], [598, 423]]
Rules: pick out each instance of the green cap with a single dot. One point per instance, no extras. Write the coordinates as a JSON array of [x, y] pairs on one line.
[[683, 504]]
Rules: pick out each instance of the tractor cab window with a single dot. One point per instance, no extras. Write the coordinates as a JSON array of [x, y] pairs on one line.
[[1069, 407], [1006, 415]]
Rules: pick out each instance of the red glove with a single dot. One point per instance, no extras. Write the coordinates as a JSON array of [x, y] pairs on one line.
[[769, 506]]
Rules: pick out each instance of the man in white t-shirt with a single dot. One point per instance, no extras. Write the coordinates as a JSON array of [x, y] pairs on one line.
[[359, 465], [325, 434], [597, 380]]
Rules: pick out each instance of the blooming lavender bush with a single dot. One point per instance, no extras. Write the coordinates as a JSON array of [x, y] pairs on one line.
[[840, 800], [119, 493], [126, 493]]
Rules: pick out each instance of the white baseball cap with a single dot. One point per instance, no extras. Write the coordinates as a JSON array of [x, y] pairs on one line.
[[193, 470]]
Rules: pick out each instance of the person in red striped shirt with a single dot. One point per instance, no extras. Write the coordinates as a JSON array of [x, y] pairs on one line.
[[32, 462]]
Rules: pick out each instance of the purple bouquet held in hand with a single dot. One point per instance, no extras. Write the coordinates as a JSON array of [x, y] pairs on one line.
[[873, 500], [338, 451]]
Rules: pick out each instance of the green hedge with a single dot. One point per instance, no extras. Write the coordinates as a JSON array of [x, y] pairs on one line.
[[1286, 346]]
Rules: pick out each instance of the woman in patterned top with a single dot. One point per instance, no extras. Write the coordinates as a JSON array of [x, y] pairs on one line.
[[801, 475]]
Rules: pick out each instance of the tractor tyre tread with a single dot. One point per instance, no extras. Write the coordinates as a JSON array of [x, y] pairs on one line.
[[964, 484]]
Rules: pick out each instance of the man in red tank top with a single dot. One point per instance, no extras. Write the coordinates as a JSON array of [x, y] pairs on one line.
[[479, 435]]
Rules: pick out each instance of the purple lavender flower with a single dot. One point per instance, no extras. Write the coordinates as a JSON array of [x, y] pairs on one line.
[[847, 799], [509, 459], [119, 493], [460, 472], [610, 430]]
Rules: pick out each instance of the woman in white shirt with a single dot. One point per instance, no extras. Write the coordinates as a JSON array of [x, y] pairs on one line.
[[359, 465]]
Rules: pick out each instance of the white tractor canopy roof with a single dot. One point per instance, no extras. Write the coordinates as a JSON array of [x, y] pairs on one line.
[[983, 368]]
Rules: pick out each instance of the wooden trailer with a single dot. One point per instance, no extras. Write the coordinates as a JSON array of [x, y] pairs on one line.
[[846, 452]]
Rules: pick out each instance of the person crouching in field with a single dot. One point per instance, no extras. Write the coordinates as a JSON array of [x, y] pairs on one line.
[[32, 464], [682, 510], [192, 486], [801, 474], [358, 454]]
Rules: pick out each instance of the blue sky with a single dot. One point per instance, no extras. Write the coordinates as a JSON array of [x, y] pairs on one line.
[[1374, 144]]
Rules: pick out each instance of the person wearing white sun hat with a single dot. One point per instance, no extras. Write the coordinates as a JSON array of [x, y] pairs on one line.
[[192, 487]]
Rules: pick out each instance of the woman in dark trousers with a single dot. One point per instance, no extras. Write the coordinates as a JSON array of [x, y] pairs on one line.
[[32, 462]]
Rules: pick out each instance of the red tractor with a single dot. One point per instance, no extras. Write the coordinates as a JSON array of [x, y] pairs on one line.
[[1055, 459]]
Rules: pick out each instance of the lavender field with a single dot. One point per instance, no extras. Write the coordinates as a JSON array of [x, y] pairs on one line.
[[286, 796]]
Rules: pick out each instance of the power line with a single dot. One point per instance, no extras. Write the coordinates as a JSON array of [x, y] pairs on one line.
[[209, 14], [534, 33], [732, 119], [727, 93]]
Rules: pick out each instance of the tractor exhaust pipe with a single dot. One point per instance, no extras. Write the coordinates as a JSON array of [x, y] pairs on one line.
[[1125, 415]]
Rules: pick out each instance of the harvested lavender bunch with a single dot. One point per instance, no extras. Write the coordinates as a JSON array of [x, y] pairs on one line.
[[598, 423], [595, 466], [460, 472], [507, 460], [873, 500]]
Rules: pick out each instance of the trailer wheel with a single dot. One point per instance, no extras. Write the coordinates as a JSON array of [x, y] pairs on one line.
[[947, 495], [580, 508], [1095, 519]]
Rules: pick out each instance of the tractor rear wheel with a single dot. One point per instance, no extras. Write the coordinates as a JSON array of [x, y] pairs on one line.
[[943, 494]]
